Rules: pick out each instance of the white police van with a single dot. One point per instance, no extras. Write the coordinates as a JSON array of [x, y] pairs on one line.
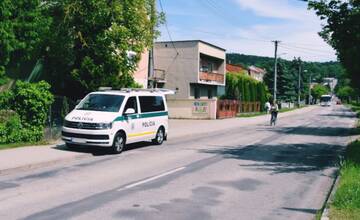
[[113, 118]]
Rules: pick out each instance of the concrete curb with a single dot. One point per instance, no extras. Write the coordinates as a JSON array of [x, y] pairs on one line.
[[41, 164], [330, 197]]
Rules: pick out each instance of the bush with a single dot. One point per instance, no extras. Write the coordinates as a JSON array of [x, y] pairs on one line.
[[3, 78], [32, 102], [245, 88], [10, 127], [5, 99], [29, 104], [12, 131]]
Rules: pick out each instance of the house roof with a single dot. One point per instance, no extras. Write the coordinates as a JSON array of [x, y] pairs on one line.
[[234, 68], [255, 69], [195, 41]]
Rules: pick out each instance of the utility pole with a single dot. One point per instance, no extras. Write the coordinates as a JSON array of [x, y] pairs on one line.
[[275, 69], [299, 82], [310, 89]]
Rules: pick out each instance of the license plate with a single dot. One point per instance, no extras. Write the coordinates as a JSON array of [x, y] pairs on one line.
[[78, 140]]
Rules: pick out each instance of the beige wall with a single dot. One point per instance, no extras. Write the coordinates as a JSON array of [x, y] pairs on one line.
[[185, 109], [181, 65], [180, 69], [211, 51], [141, 73]]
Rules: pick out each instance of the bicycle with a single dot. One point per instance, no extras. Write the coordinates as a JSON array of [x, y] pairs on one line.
[[273, 118]]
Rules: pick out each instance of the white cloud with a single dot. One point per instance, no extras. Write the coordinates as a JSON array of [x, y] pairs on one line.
[[275, 9], [296, 27]]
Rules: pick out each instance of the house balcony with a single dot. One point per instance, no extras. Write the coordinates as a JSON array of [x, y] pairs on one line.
[[212, 77]]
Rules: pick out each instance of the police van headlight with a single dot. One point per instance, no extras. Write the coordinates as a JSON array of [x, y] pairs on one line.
[[104, 126]]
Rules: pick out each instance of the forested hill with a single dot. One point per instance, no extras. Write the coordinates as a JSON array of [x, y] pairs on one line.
[[317, 69], [247, 60]]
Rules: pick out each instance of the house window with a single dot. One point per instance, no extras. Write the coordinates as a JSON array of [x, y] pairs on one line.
[[197, 92], [207, 66], [210, 93]]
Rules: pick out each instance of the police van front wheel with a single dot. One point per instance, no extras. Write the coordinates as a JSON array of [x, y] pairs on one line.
[[119, 143], [159, 138]]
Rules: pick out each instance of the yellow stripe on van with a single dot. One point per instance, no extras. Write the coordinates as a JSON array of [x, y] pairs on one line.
[[141, 134]]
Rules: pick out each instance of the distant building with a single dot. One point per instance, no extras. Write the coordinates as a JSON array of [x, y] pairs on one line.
[[141, 73], [236, 68], [257, 73], [196, 71], [331, 82]]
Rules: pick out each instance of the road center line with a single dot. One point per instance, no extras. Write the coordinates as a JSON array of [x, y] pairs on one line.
[[152, 178]]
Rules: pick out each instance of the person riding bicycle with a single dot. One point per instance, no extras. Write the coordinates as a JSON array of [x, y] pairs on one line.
[[274, 109]]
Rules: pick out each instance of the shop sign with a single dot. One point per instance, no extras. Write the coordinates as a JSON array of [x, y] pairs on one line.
[[200, 107]]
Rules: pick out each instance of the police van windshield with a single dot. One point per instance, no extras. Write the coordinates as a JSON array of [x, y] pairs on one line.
[[101, 102]]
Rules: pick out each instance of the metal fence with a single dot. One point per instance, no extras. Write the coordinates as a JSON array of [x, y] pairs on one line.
[[57, 112], [230, 108]]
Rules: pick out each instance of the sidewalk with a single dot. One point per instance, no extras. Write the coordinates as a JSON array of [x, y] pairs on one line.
[[24, 158]]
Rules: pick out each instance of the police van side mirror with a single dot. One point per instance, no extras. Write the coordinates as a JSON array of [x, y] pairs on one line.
[[129, 111]]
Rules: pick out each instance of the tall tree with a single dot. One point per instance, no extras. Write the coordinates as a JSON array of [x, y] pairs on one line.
[[22, 27], [341, 31], [90, 40]]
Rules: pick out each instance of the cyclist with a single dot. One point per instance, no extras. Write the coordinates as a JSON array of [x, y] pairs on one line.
[[274, 109]]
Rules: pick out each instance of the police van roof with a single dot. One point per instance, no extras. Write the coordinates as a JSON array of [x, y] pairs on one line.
[[126, 91]]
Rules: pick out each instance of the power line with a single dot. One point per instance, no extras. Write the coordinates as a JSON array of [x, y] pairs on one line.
[[303, 51], [216, 9], [291, 50], [306, 48], [227, 35], [167, 29]]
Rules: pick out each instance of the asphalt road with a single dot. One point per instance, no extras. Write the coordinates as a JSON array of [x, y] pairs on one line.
[[250, 172]]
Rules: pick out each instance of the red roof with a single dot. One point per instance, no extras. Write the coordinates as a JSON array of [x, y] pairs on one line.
[[235, 68], [257, 70]]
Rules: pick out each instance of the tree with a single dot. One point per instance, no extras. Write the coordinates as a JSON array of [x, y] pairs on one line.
[[245, 87], [285, 81], [22, 27], [318, 90], [346, 93], [341, 31], [90, 40]]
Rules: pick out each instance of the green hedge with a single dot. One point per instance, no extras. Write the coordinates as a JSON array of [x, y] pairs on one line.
[[23, 112], [245, 88]]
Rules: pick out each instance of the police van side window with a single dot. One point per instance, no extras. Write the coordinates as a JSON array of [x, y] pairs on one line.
[[151, 103], [131, 103]]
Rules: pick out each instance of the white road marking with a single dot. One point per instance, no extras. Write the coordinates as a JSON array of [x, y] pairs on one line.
[[152, 178]]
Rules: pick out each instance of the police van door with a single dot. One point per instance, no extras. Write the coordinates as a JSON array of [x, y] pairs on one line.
[[133, 128], [151, 108]]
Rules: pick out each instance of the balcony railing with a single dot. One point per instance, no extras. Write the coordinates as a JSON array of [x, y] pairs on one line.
[[212, 77]]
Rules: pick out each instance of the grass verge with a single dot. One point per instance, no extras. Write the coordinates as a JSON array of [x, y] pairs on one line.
[[251, 114], [254, 114], [346, 203], [16, 145]]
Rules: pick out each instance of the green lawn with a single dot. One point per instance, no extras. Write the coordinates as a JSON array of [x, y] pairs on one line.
[[346, 203]]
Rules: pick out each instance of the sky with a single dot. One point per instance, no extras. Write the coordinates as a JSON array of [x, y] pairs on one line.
[[248, 27]]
